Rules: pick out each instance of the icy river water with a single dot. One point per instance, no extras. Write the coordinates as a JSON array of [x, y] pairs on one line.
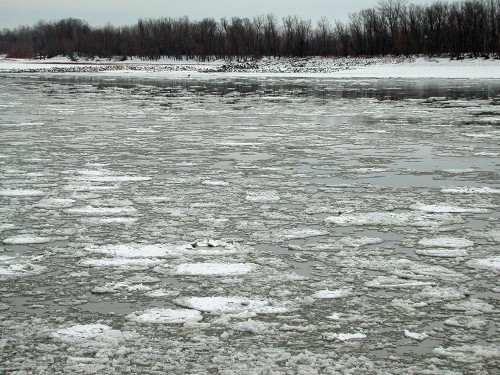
[[249, 226]]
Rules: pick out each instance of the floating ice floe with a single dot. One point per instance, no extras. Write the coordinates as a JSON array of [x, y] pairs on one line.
[[442, 253], [21, 193], [166, 316], [472, 306], [109, 220], [11, 266], [344, 336], [107, 176], [138, 250], [214, 269], [26, 239], [469, 353], [491, 264], [215, 183], [466, 322], [332, 294], [392, 218], [242, 307], [4, 227], [416, 336], [87, 332], [360, 241], [392, 282], [444, 208], [448, 242], [119, 262], [262, 196], [300, 233], [470, 190], [56, 203], [102, 211], [116, 287], [434, 294]]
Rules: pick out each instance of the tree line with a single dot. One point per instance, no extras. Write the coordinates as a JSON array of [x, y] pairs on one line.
[[394, 27]]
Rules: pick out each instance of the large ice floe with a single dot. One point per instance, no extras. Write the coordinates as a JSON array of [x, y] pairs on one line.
[[220, 223]]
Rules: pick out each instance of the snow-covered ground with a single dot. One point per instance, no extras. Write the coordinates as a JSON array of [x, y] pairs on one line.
[[231, 223], [387, 67]]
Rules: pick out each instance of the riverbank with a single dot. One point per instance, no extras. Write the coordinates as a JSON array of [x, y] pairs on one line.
[[385, 67]]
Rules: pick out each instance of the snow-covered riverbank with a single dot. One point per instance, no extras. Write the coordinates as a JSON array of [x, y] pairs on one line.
[[388, 67]]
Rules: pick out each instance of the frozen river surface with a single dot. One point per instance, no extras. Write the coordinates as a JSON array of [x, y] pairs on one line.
[[249, 226]]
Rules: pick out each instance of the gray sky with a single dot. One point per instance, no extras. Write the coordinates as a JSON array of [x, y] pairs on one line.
[[15, 13]]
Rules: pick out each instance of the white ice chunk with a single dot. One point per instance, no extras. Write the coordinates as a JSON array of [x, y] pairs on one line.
[[216, 269], [392, 282], [25, 239], [300, 233], [466, 322], [469, 353], [215, 183], [391, 218], [18, 266], [470, 190], [416, 336], [166, 316], [442, 253], [102, 211], [56, 203], [110, 220], [231, 305], [345, 336], [451, 242], [106, 176], [4, 227], [138, 250], [87, 332], [21, 192], [473, 306], [360, 241], [263, 196], [443, 208], [491, 264], [332, 294], [119, 262]]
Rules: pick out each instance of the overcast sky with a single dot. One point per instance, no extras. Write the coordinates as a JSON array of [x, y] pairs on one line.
[[15, 13]]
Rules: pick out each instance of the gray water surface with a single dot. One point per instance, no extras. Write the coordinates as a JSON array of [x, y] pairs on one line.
[[341, 226]]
